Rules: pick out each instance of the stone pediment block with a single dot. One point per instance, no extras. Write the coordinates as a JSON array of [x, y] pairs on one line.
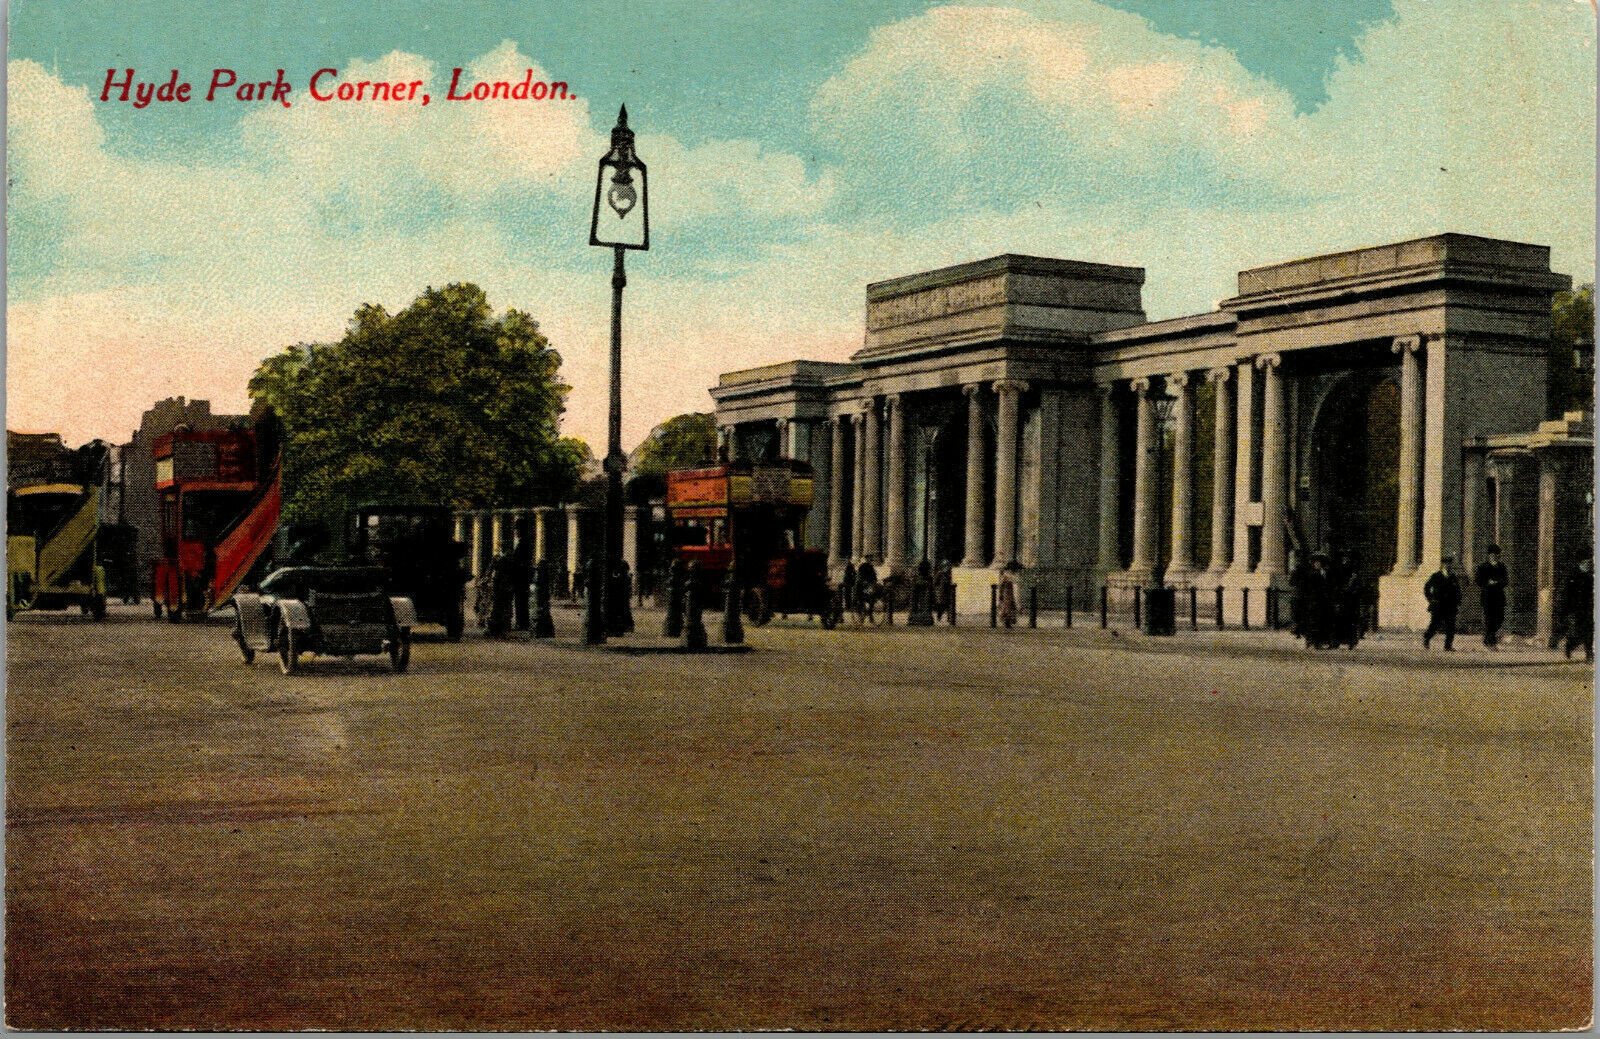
[[1012, 297]]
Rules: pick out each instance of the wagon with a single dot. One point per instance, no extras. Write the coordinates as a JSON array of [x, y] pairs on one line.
[[331, 611]]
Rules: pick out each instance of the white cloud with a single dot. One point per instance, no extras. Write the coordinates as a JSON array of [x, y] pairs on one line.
[[1058, 127]]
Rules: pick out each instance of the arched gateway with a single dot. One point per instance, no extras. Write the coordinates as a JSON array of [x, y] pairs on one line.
[[1021, 409]]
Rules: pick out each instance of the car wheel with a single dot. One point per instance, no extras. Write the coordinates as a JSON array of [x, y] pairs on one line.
[[97, 608], [288, 651], [400, 650]]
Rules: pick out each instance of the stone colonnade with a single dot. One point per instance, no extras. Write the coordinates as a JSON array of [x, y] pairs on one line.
[[564, 535], [863, 455], [1250, 492]]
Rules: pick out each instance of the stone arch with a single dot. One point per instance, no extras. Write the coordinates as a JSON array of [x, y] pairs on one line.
[[1351, 466]]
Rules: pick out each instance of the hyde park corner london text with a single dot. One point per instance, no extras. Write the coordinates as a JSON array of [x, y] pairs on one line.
[[324, 85]]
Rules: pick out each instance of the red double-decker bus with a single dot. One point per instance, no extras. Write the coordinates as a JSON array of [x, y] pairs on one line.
[[752, 515], [220, 492]]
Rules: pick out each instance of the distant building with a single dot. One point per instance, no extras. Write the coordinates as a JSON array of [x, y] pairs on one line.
[[138, 505]]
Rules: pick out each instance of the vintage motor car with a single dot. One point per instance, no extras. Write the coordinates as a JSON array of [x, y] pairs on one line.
[[332, 611]]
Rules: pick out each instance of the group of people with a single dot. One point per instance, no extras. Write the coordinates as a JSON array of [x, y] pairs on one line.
[[1327, 602], [1443, 593]]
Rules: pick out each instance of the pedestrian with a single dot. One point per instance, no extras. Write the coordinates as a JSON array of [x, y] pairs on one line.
[[1345, 587], [622, 605], [521, 574], [1443, 592], [847, 585], [866, 588], [1299, 591], [1491, 581], [943, 601], [501, 594], [1316, 608], [1008, 595], [1578, 603]]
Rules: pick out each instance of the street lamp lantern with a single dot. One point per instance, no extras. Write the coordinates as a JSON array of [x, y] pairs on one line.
[[621, 217], [620, 221]]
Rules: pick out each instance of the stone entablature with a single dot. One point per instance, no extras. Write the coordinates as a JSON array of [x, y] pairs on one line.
[[1010, 411], [1010, 297]]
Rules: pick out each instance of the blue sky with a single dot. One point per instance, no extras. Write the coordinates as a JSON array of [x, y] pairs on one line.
[[797, 151]]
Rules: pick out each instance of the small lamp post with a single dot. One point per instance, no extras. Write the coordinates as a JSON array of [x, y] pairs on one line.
[[620, 221]]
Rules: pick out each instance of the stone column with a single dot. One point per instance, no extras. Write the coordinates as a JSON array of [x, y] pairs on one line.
[[1110, 480], [630, 540], [785, 438], [1436, 456], [541, 533], [1410, 475], [574, 541], [836, 496], [1546, 578], [858, 533], [1182, 561], [1274, 467], [1504, 525], [975, 466], [461, 528], [1471, 509], [895, 493], [1005, 472], [1243, 464], [1146, 547], [1221, 471], [872, 498]]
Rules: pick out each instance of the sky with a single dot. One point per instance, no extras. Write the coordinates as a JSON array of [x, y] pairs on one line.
[[796, 152]]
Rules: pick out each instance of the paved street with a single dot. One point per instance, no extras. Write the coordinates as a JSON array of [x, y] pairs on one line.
[[862, 829]]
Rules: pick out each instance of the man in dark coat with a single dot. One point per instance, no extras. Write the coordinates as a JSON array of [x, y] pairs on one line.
[[1578, 604], [1316, 604], [521, 576], [1346, 590], [1491, 581], [1443, 592]]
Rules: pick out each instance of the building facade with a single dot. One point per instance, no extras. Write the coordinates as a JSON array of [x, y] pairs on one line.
[[1020, 411]]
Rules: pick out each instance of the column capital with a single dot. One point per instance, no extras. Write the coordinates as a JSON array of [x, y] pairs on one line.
[[1407, 344], [972, 389], [1004, 386], [1141, 386], [892, 399], [1220, 374], [1178, 380], [868, 404], [1105, 389], [1265, 361]]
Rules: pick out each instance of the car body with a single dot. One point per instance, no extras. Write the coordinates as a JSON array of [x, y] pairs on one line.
[[415, 545], [342, 611]]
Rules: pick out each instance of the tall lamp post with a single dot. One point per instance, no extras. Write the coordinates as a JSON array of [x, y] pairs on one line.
[[620, 187], [1159, 599]]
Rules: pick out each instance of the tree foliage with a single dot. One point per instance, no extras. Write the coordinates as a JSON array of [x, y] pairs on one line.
[[442, 403], [1571, 388], [678, 443]]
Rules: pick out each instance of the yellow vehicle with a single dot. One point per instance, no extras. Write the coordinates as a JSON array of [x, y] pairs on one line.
[[51, 558]]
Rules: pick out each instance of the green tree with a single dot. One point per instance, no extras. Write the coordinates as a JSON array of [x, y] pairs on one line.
[[1572, 385], [441, 403], [680, 442]]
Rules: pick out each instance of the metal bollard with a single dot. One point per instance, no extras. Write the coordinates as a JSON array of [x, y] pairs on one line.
[[1194, 608], [1069, 606], [1244, 615], [1104, 606], [1219, 607], [1138, 607], [1033, 606], [952, 591], [994, 606]]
